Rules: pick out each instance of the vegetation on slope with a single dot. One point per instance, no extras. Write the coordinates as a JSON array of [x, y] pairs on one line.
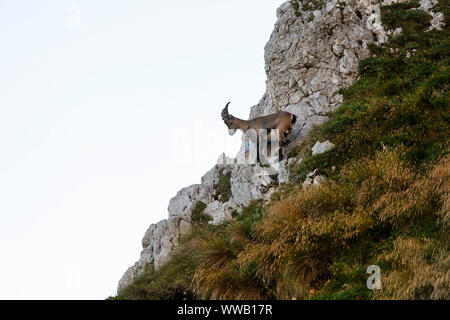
[[223, 187], [386, 202]]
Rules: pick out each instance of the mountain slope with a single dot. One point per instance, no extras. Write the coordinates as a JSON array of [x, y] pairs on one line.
[[385, 201]]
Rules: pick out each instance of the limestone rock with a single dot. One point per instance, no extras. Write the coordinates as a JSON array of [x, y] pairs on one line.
[[437, 18], [291, 161], [321, 147], [209, 179], [225, 160], [309, 58], [248, 182], [219, 212], [182, 203], [313, 179], [158, 242], [283, 173], [437, 21], [427, 5], [397, 32]]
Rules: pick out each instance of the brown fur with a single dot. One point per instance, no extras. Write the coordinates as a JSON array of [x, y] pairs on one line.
[[283, 121]]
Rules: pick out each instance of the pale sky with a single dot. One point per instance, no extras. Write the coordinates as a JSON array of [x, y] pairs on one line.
[[101, 125]]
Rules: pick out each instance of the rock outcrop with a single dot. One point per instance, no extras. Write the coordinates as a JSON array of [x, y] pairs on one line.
[[313, 179], [437, 18], [321, 147], [312, 54], [246, 182]]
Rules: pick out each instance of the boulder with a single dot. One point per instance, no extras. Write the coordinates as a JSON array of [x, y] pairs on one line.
[[322, 147]]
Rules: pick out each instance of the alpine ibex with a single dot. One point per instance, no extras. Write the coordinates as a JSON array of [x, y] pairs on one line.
[[281, 121]]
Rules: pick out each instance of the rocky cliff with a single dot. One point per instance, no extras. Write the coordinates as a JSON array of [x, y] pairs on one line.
[[313, 53]]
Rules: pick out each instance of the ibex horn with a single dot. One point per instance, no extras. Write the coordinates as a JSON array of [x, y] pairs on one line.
[[225, 115]]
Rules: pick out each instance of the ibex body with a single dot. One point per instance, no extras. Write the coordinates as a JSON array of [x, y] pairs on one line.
[[281, 121]]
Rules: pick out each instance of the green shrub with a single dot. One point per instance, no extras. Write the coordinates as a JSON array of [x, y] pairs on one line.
[[401, 15], [197, 213], [223, 188]]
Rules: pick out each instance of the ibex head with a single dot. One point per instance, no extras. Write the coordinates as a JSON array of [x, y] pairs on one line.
[[229, 120]]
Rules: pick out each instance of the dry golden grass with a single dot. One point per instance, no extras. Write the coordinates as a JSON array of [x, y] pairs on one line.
[[420, 267], [440, 181], [420, 270], [299, 245], [300, 236]]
